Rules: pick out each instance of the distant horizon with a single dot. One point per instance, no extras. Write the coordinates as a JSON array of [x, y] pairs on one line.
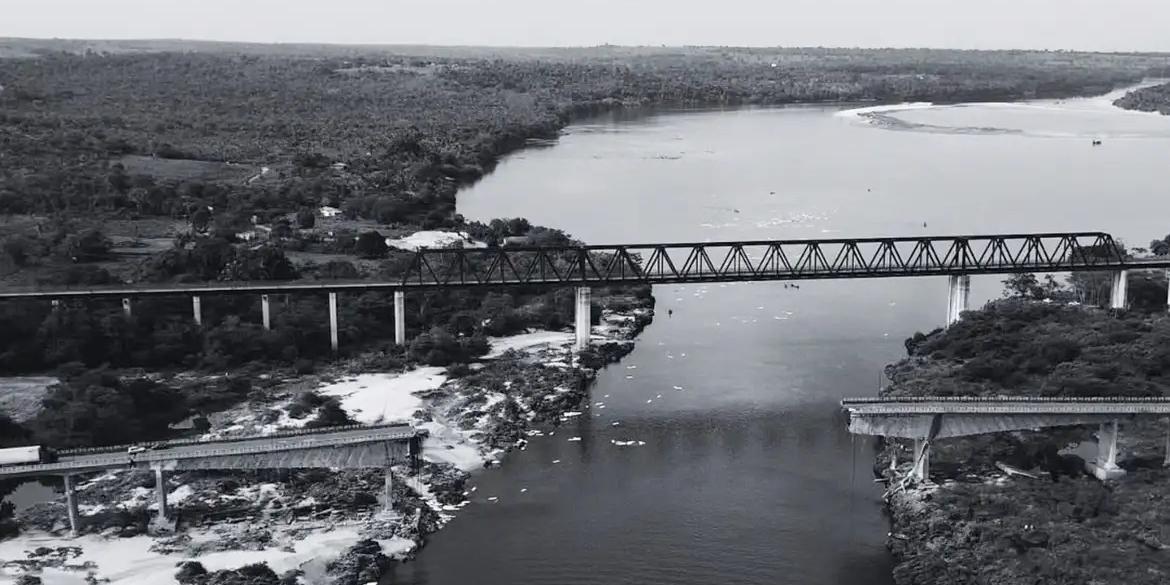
[[1119, 26], [293, 43]]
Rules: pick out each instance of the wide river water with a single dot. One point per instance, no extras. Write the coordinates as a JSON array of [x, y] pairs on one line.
[[747, 475]]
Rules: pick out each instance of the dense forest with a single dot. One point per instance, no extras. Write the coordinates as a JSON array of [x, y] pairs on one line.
[[1147, 99], [1057, 524], [189, 162]]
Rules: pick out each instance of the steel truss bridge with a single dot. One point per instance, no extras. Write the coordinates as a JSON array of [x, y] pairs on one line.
[[693, 262]]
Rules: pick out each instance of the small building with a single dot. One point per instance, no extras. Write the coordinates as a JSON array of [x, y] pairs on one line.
[[256, 233], [517, 241], [327, 211]]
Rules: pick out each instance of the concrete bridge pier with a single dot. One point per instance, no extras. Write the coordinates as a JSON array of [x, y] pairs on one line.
[[399, 317], [333, 320], [163, 520], [583, 315], [388, 502], [126, 306], [197, 310], [921, 470], [958, 299], [1166, 461], [266, 312], [1168, 289], [71, 505], [1118, 292], [1105, 467]]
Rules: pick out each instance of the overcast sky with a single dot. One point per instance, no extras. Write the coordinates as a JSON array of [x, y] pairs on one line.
[[986, 24]]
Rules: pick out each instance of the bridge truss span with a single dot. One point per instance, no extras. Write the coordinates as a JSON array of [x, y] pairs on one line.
[[765, 260]]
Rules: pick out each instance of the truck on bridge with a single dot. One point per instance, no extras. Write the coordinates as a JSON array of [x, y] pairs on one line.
[[28, 454]]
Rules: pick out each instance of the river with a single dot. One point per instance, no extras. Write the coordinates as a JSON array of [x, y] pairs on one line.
[[747, 475]]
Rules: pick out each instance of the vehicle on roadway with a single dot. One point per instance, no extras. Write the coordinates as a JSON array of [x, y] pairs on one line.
[[136, 449], [27, 454]]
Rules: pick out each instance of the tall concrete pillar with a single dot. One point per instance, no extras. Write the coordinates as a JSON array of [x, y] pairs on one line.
[[266, 312], [126, 306], [957, 299], [399, 317], [921, 469], [1118, 292], [388, 503], [197, 309], [1168, 289], [1105, 466], [71, 505], [583, 314], [160, 488], [333, 320], [1166, 461]]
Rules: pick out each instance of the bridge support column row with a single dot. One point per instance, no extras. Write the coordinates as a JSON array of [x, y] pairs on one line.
[[583, 317], [399, 317], [1105, 467], [921, 470], [1118, 292], [266, 314], [71, 505], [958, 299]]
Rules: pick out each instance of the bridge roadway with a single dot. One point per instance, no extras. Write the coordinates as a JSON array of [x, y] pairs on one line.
[[926, 419], [957, 257], [235, 453], [351, 447], [695, 262]]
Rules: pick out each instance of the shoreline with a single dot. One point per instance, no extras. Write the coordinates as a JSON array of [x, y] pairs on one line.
[[265, 515], [975, 521]]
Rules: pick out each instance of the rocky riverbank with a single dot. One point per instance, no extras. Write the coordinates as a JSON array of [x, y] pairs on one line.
[[1147, 99], [317, 526], [973, 522]]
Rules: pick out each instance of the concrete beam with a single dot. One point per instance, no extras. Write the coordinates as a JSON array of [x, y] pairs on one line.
[[71, 505], [958, 297], [197, 309], [266, 312], [399, 317], [1118, 292], [583, 317], [126, 306], [333, 320]]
